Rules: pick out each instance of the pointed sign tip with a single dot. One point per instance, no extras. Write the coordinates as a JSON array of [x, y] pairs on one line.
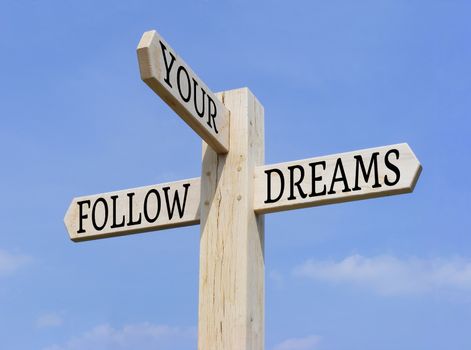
[[146, 39], [414, 173], [68, 218]]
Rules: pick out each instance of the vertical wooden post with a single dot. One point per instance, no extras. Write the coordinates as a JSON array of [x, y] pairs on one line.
[[232, 267]]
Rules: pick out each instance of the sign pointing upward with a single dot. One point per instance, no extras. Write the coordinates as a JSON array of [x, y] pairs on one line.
[[174, 81]]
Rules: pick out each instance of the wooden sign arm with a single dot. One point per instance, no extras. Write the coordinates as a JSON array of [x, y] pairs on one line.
[[337, 178], [175, 82]]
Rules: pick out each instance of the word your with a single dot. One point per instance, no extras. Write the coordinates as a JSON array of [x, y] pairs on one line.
[[188, 88]]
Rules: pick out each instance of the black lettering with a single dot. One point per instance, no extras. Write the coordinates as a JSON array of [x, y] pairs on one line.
[[157, 197], [297, 183], [342, 178], [180, 69], [366, 174], [130, 221], [282, 185], [105, 207], [203, 94], [212, 112], [176, 200], [168, 67], [392, 167], [115, 225], [81, 216], [317, 178]]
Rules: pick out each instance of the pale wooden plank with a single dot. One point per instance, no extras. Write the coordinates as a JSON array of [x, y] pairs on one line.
[[135, 210], [231, 293], [176, 83], [298, 190]]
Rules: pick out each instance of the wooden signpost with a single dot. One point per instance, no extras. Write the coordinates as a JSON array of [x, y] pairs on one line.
[[232, 195]]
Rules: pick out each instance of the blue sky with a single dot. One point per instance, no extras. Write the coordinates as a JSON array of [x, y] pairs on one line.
[[333, 76]]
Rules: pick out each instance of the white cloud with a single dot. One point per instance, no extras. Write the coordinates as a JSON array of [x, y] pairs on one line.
[[310, 342], [49, 320], [10, 263], [389, 275], [144, 336]]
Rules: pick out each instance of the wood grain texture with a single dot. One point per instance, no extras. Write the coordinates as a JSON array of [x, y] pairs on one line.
[[231, 291], [299, 176], [134, 210], [176, 83]]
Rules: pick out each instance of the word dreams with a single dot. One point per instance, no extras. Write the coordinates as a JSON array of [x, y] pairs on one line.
[[131, 208], [332, 176]]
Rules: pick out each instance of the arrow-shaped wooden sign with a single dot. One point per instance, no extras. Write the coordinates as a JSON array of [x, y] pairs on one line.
[[176, 83], [336, 178], [134, 210]]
